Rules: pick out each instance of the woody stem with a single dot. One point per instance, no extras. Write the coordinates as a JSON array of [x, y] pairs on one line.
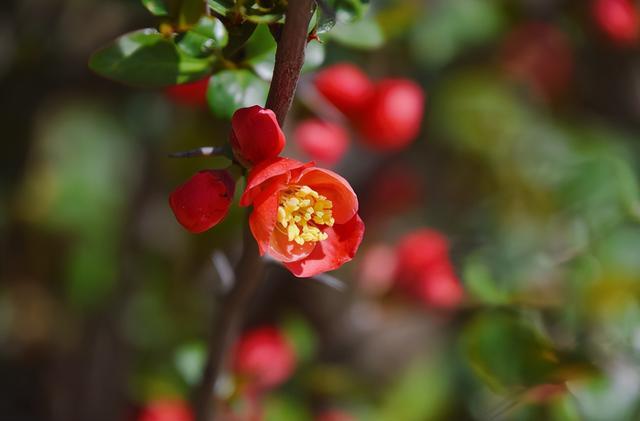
[[249, 269]]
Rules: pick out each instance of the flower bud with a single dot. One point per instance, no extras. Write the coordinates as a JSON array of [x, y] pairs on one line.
[[264, 358], [618, 19], [345, 87], [203, 201], [393, 115], [256, 135], [192, 93], [323, 141]]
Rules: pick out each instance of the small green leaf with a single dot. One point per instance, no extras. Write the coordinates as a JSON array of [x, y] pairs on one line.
[[364, 34], [238, 37], [207, 35], [260, 52], [145, 58], [233, 89], [222, 7], [156, 7]]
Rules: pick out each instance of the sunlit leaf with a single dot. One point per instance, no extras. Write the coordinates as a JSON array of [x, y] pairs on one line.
[[207, 35], [364, 34], [146, 58], [233, 89]]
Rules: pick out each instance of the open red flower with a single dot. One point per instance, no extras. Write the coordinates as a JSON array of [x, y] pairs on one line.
[[345, 86], [322, 140], [619, 19], [264, 357], [256, 135], [203, 201], [304, 216]]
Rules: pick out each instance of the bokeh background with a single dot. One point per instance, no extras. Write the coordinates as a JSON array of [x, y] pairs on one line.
[[526, 163]]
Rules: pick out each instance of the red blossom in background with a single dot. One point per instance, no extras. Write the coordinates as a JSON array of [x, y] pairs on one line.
[[334, 415], [345, 86], [322, 141], [387, 114], [264, 358], [424, 269], [539, 56], [393, 115], [256, 135], [303, 216], [192, 93], [618, 19], [166, 410], [203, 200], [377, 268]]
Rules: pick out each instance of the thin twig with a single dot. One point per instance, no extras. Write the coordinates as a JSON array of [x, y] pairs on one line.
[[248, 271], [203, 151]]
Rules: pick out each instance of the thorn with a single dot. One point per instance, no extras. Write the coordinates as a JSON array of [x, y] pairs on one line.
[[204, 151]]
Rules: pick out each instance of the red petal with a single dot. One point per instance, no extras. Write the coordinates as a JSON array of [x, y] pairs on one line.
[[264, 216], [335, 188], [257, 134], [263, 172], [330, 254]]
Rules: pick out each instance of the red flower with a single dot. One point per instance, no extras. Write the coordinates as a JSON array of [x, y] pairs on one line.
[[393, 114], [539, 56], [334, 415], [618, 19], [322, 141], [203, 200], [376, 269], [256, 135], [166, 410], [264, 357], [424, 269], [192, 93], [303, 215], [344, 86]]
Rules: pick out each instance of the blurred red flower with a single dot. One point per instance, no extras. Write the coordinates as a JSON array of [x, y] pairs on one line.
[[376, 269], [322, 141], [334, 415], [203, 200], [345, 86], [166, 410], [424, 269], [264, 358], [303, 216], [539, 56], [392, 116], [192, 93], [618, 19], [256, 135]]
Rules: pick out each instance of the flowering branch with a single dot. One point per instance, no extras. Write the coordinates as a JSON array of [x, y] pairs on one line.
[[248, 271]]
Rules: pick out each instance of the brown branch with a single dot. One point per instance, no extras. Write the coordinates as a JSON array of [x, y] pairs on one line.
[[249, 270]]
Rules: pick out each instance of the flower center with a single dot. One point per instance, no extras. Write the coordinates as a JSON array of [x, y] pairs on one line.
[[301, 211]]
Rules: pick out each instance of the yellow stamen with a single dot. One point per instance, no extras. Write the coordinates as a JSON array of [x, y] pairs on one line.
[[301, 212]]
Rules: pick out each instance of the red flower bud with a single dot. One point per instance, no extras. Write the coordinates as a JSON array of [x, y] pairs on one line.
[[203, 201], [377, 269], [539, 56], [166, 410], [264, 357], [256, 135], [392, 117], [439, 287], [192, 93], [618, 19], [344, 86], [322, 141]]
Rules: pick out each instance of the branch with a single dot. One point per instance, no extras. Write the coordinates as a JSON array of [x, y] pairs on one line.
[[249, 270]]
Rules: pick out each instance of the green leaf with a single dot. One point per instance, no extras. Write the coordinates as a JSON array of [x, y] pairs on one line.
[[260, 52], [190, 360], [222, 7], [313, 56], [238, 36], [207, 35], [145, 58], [364, 34], [156, 7], [233, 89]]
